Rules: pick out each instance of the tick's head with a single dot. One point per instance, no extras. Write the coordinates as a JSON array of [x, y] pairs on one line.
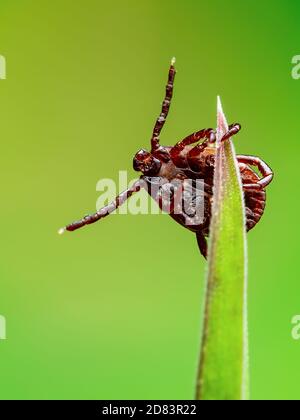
[[146, 163]]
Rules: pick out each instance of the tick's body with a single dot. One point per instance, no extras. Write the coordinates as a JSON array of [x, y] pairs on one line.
[[254, 199], [189, 160]]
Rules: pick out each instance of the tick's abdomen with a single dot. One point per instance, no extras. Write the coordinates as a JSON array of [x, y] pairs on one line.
[[255, 201]]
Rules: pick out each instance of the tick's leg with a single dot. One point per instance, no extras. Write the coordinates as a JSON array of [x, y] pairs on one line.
[[202, 244], [232, 130], [264, 169], [165, 108], [106, 211], [176, 152], [206, 133]]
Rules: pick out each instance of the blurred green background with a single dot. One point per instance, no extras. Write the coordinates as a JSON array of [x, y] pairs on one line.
[[113, 311]]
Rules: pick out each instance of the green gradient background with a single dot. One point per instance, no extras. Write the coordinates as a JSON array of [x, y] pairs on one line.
[[113, 311]]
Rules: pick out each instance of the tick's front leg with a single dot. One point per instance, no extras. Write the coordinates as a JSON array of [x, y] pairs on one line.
[[165, 108], [106, 211]]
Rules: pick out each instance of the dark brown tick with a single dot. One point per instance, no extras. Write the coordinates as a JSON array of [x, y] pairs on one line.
[[189, 160]]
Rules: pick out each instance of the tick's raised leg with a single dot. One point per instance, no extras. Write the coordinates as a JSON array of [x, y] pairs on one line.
[[165, 108], [177, 155], [232, 130], [264, 169], [106, 211], [177, 152], [202, 244]]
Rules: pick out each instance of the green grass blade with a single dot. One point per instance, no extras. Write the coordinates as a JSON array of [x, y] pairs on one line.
[[223, 371]]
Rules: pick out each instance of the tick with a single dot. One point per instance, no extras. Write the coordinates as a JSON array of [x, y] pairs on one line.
[[193, 158]]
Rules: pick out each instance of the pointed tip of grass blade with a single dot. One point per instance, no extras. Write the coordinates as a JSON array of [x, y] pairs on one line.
[[219, 105], [221, 119]]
